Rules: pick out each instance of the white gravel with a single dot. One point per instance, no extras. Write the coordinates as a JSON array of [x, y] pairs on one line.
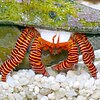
[[75, 85]]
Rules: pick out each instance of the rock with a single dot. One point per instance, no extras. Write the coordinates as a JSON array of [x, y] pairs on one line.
[[83, 76], [98, 74], [51, 96], [97, 82], [70, 93], [89, 83], [46, 85], [44, 79], [15, 77], [81, 98], [4, 85], [23, 81], [36, 89], [23, 94], [96, 95], [19, 88], [60, 93], [38, 77], [11, 81], [11, 96], [60, 78], [31, 87], [44, 98], [51, 79], [64, 84], [71, 74], [18, 96], [30, 73], [11, 89], [85, 92], [55, 86], [45, 91], [76, 85], [51, 72], [1, 89], [64, 98], [30, 95], [70, 98], [39, 96]]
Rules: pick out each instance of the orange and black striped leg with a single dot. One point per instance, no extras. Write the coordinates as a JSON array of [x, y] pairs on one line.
[[87, 54], [35, 58], [8, 65], [19, 42], [89, 47], [21, 39], [71, 60]]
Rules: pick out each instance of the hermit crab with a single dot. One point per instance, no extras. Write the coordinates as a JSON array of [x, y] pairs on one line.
[[55, 15]]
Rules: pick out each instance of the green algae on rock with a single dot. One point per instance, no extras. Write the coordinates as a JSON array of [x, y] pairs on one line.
[[51, 14], [8, 37]]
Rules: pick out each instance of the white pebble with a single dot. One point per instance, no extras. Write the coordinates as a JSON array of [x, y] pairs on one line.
[[51, 96], [51, 79], [23, 94], [70, 93], [51, 72], [11, 81], [98, 74], [96, 95], [64, 98], [18, 96], [97, 82], [44, 98], [38, 77], [1, 89], [60, 78], [36, 89], [4, 85], [31, 73], [15, 77], [11, 97], [60, 93], [11, 89], [76, 85], [39, 96], [29, 94], [55, 86], [45, 91], [71, 74], [23, 81], [64, 84], [81, 98], [89, 83]]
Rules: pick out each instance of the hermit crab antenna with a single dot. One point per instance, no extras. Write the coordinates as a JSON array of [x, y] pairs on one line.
[[53, 37]]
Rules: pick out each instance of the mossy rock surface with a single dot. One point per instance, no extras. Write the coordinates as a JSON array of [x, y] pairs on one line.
[[66, 15]]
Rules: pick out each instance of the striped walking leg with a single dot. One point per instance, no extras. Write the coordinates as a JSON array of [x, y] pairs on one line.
[[35, 58], [20, 40], [89, 46], [71, 60], [9, 64], [87, 53]]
